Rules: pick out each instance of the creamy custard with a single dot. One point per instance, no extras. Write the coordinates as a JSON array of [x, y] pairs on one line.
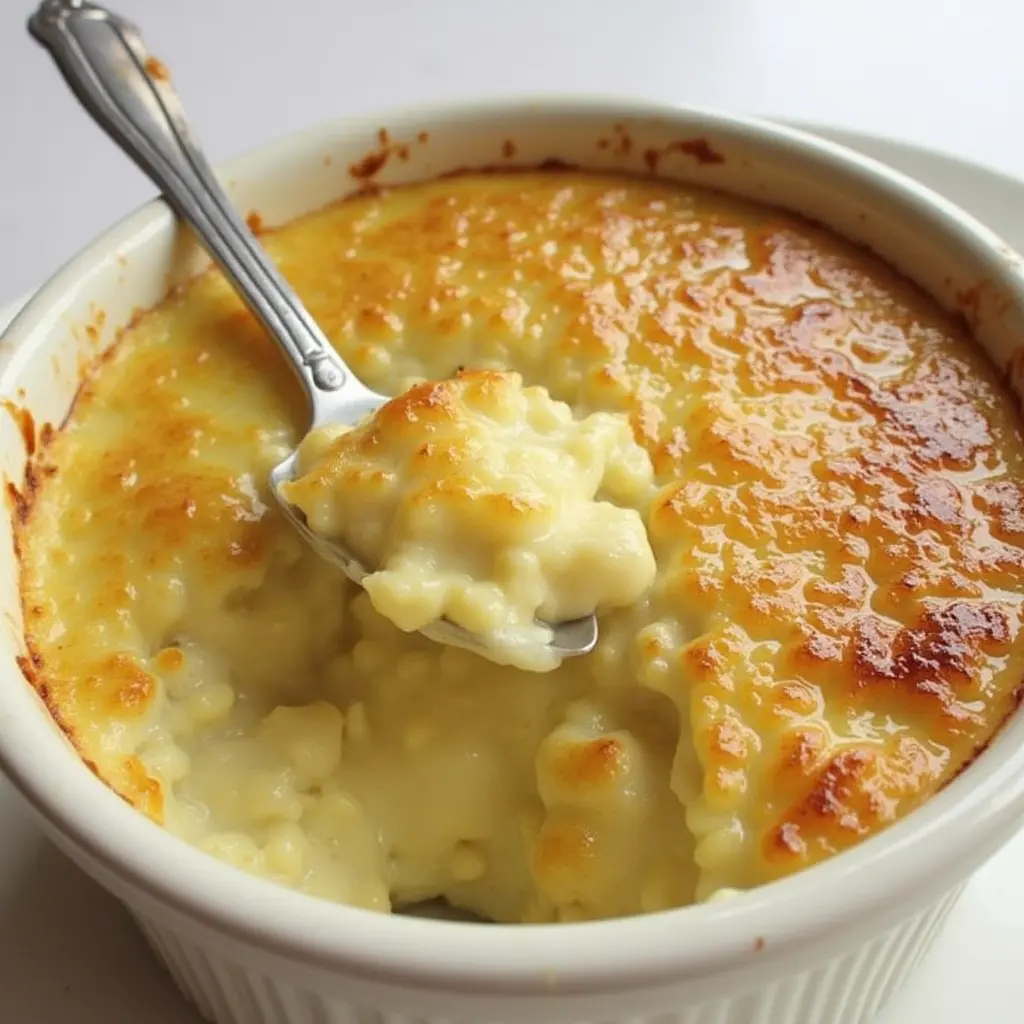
[[485, 503], [835, 513]]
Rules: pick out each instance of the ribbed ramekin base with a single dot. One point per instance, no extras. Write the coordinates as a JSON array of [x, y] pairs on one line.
[[849, 989]]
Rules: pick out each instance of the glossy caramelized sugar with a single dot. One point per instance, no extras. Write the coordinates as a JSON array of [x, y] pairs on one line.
[[833, 632]]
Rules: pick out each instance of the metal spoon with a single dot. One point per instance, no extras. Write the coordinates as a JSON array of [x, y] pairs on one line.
[[128, 94]]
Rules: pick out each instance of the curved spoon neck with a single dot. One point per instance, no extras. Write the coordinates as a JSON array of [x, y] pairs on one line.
[[347, 405]]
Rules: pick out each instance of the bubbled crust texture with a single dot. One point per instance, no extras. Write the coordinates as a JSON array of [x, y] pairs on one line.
[[833, 632]]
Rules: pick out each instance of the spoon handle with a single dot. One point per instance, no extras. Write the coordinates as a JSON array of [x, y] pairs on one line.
[[128, 93]]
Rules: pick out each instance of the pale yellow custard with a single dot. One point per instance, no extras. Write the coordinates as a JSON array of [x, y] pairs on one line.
[[485, 503], [836, 517]]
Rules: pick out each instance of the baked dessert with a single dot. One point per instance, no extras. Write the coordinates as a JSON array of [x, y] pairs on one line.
[[835, 513]]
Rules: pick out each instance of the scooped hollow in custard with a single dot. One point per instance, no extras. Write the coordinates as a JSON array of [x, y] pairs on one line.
[[484, 502]]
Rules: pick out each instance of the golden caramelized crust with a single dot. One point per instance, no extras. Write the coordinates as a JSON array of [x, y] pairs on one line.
[[837, 521], [485, 503], [162, 542]]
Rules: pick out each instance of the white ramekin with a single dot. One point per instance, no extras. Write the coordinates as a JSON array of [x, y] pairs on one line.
[[828, 945]]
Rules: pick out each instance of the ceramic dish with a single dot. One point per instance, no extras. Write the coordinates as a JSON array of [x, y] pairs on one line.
[[827, 945]]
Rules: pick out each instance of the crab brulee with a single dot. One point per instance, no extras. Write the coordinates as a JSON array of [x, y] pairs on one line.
[[790, 484]]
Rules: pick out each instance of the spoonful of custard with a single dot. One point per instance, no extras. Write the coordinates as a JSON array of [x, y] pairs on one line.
[[475, 510]]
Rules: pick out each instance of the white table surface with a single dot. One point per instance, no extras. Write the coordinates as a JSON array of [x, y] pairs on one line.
[[946, 73]]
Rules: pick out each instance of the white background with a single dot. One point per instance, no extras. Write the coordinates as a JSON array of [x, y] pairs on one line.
[[944, 73], [948, 73]]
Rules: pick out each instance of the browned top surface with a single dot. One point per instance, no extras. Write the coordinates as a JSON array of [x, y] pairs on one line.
[[840, 532]]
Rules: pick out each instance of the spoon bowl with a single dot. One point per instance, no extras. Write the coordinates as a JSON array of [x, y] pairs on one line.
[[568, 639]]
